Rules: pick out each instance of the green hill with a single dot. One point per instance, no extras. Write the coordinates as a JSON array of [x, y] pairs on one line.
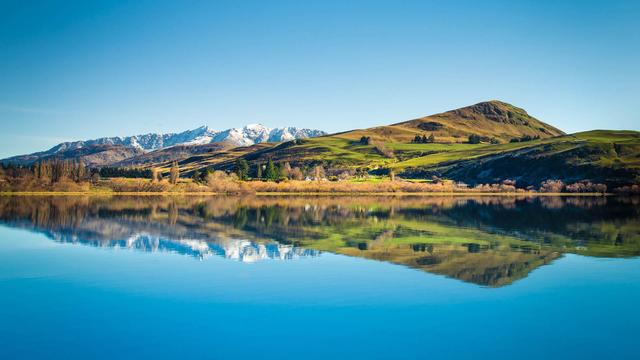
[[610, 157], [491, 119]]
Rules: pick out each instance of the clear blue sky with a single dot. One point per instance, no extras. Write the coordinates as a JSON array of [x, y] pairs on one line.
[[83, 69]]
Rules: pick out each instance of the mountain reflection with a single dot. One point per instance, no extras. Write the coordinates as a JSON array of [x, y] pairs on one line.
[[490, 241], [235, 249]]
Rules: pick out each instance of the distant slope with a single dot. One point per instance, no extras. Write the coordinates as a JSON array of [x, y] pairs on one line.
[[167, 155], [199, 160], [93, 155]]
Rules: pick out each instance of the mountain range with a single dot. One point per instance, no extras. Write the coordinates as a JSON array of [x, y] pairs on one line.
[[111, 150]]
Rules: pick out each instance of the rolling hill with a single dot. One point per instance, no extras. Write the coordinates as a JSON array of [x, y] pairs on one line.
[[490, 119]]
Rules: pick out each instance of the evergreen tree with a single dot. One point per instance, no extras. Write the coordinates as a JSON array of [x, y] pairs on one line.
[[281, 171], [259, 171], [242, 169], [271, 172], [365, 140], [196, 176], [431, 139]]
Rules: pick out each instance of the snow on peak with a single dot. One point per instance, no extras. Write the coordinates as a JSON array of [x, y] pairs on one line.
[[248, 135]]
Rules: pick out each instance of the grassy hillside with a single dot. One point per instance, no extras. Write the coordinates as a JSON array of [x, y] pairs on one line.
[[213, 160], [611, 157], [167, 155], [491, 119]]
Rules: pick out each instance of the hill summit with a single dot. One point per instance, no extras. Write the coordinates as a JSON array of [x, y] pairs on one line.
[[489, 120]]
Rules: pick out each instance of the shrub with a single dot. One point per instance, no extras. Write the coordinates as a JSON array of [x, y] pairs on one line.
[[220, 182], [295, 174], [628, 189], [525, 138], [137, 185], [586, 187], [474, 139], [344, 176], [551, 186], [398, 185], [383, 150]]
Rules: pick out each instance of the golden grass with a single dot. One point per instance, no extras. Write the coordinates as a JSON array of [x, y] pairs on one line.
[[220, 184]]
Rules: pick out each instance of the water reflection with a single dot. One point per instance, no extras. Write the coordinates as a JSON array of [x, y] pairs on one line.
[[490, 241]]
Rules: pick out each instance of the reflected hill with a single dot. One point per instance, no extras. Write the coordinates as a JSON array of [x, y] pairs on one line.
[[490, 241]]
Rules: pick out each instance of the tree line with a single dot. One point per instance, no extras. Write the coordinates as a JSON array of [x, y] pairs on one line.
[[272, 171], [110, 172], [424, 139], [56, 170]]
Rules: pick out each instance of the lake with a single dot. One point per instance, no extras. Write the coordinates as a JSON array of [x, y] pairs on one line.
[[319, 277]]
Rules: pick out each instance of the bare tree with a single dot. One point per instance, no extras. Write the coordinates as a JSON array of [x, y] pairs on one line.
[[318, 173], [174, 173]]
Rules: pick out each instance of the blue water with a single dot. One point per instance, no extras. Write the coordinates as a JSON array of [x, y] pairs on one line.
[[76, 302], [318, 278]]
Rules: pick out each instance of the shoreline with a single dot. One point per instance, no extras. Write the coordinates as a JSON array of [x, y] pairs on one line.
[[426, 194]]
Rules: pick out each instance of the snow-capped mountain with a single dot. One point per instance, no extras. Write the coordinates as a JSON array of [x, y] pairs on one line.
[[245, 136], [235, 249], [248, 135]]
